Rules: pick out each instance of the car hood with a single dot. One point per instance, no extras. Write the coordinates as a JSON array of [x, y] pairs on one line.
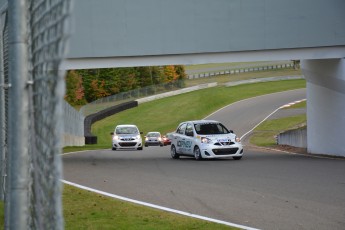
[[220, 137]]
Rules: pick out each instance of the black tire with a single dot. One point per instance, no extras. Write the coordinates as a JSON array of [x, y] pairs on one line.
[[113, 148], [197, 153], [146, 146], [140, 148], [174, 154], [237, 158]]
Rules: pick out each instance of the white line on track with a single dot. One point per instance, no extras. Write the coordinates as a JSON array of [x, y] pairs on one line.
[[158, 207], [281, 107], [174, 210]]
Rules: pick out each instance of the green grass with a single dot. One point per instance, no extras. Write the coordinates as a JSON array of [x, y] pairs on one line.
[[163, 115], [85, 210], [265, 134], [243, 76], [2, 215]]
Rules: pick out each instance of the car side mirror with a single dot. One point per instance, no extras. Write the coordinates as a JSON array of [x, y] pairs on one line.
[[141, 132], [112, 133], [231, 131]]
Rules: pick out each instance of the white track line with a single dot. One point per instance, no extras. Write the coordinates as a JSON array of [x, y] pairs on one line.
[[174, 210], [281, 107], [158, 207]]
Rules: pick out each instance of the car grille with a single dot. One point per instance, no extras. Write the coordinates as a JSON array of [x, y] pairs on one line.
[[127, 139], [227, 151], [127, 144], [224, 143]]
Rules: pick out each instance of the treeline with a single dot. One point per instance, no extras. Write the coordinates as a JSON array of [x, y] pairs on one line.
[[85, 86]]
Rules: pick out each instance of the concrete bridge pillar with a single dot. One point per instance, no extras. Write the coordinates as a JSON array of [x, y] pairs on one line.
[[325, 105]]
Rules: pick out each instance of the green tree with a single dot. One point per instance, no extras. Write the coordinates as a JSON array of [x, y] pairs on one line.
[[180, 70]]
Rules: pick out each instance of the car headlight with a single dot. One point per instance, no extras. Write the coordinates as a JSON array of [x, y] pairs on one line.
[[146, 138], [205, 140], [138, 137], [115, 137], [159, 138], [237, 139]]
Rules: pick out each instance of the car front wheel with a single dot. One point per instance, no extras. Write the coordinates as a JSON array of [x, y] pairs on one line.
[[197, 153], [173, 152]]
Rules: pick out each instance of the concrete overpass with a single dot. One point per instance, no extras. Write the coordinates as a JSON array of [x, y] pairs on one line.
[[120, 33]]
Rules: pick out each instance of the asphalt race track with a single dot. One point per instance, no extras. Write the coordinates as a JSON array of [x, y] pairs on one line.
[[266, 189]]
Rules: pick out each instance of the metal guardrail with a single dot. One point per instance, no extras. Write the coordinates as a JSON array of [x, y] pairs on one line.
[[239, 70]]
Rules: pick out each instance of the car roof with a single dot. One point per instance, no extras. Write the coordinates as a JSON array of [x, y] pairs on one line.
[[154, 132], [126, 126], [202, 121]]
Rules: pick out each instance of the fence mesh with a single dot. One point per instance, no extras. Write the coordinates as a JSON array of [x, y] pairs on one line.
[[3, 101], [47, 26], [47, 39], [107, 102]]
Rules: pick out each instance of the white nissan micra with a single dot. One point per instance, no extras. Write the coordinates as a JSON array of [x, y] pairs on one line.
[[126, 137], [205, 139]]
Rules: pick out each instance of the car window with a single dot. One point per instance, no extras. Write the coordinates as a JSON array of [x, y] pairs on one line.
[[210, 128], [181, 128], [189, 130], [126, 130], [153, 135]]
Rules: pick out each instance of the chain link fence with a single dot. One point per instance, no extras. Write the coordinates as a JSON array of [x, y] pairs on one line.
[[33, 41], [116, 99], [3, 99]]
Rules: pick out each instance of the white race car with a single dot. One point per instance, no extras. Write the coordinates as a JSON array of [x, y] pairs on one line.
[[127, 137], [205, 139]]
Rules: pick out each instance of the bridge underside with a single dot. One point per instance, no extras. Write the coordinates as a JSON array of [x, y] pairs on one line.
[[325, 86], [154, 32]]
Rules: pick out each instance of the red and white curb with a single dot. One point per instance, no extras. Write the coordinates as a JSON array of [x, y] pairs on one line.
[[292, 103]]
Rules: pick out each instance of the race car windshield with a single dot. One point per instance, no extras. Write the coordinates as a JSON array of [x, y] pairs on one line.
[[153, 135], [210, 128], [126, 130]]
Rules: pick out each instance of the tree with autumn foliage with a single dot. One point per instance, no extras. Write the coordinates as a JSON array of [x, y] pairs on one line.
[[87, 85], [97, 89], [170, 74], [74, 89]]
